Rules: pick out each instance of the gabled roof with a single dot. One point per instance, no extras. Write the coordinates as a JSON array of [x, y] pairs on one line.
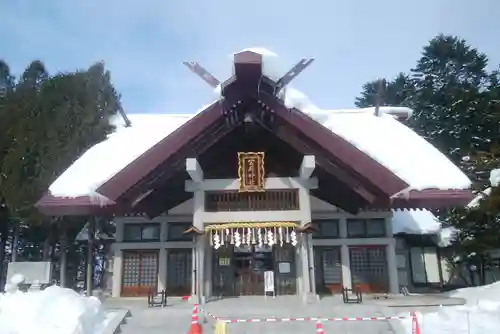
[[377, 149]]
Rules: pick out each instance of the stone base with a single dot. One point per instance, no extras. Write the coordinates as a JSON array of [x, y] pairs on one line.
[[310, 298]]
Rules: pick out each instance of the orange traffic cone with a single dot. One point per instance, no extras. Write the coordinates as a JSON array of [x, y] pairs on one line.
[[415, 328], [319, 327], [195, 324]]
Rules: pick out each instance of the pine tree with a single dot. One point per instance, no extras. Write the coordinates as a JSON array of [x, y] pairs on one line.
[[454, 99], [397, 92], [49, 121], [456, 103], [452, 102]]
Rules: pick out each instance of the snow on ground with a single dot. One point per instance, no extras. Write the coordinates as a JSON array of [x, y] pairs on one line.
[[52, 311], [480, 315]]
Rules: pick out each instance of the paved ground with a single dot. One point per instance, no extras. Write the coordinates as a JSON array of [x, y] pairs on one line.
[[175, 318]]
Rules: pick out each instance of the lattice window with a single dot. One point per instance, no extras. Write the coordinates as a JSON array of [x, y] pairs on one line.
[[369, 266], [140, 272], [149, 270], [131, 269]]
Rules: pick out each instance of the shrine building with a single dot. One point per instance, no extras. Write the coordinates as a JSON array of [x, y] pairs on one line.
[[260, 181]]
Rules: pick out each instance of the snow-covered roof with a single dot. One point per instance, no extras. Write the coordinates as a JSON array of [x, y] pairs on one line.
[[382, 137], [421, 222], [415, 222], [104, 160]]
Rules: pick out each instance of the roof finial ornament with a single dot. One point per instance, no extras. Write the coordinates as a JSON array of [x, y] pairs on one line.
[[378, 97], [202, 73], [293, 73]]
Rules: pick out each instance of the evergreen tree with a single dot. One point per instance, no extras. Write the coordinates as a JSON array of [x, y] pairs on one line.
[[453, 99], [397, 92], [456, 103], [47, 122]]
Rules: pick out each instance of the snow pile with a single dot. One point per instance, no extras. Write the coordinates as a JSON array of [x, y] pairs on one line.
[[52, 311], [481, 314]]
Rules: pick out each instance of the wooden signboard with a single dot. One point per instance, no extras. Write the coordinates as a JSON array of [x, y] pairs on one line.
[[251, 171]]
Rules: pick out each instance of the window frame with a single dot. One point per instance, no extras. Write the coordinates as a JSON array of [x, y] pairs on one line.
[[412, 265], [183, 237], [365, 222], [318, 224], [141, 227]]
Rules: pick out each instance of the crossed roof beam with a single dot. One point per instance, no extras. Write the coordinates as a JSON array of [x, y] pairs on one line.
[[288, 77]]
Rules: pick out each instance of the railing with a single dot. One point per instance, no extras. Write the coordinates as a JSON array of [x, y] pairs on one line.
[[269, 200]]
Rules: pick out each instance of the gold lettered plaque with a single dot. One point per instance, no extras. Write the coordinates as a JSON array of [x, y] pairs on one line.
[[251, 171]]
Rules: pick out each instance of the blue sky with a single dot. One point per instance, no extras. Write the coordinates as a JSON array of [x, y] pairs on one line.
[[143, 43]]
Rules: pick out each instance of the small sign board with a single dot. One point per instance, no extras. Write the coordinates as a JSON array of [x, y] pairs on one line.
[[284, 267], [251, 171], [39, 271], [268, 282], [224, 261]]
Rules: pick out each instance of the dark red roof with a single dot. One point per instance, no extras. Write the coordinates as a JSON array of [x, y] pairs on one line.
[[249, 83]]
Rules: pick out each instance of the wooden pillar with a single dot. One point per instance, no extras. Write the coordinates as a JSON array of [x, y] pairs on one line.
[[90, 256], [64, 254]]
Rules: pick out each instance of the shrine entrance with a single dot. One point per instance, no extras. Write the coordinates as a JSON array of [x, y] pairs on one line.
[[239, 271], [244, 252], [250, 263]]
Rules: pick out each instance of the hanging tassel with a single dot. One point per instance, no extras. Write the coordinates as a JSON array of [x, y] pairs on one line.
[[210, 238], [243, 236], [287, 230], [259, 236], [216, 240], [232, 237], [280, 230], [237, 238], [266, 242], [249, 236], [275, 236], [293, 236], [270, 238]]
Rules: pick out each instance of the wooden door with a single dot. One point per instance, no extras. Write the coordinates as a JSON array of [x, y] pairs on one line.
[[179, 271], [285, 274], [223, 274], [328, 269], [140, 273]]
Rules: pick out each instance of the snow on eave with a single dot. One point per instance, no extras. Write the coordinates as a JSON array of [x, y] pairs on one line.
[[103, 160], [414, 222], [422, 222]]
